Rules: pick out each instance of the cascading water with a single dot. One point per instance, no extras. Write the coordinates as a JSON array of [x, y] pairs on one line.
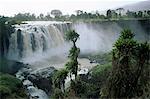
[[41, 44], [100, 36], [32, 91], [34, 43], [31, 39], [95, 37]]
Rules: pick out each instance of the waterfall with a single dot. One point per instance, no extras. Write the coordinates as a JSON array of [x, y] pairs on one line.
[[44, 40], [96, 37], [36, 38], [41, 44]]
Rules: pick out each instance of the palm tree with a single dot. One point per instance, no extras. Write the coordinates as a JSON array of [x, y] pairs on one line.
[[72, 65]]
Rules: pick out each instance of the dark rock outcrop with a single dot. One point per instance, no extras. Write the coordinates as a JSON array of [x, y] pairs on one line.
[[43, 78]]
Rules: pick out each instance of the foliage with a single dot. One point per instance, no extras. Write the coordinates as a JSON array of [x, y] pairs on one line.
[[130, 61], [90, 87], [100, 73], [59, 78], [101, 58], [72, 36], [56, 13], [109, 15], [120, 10], [10, 87], [58, 94], [81, 16], [4, 91], [79, 87], [98, 76], [59, 83], [72, 65]]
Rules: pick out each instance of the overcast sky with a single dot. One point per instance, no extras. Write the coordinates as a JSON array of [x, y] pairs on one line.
[[11, 7]]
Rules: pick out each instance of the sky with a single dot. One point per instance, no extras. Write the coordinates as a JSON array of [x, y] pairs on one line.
[[11, 7]]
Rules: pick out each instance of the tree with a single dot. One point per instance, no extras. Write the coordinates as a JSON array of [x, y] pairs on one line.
[[48, 17], [79, 12], [59, 79], [72, 65], [41, 16], [58, 94], [56, 13], [131, 14], [24, 17], [114, 14], [120, 10], [109, 14], [33, 17], [148, 12], [130, 67], [140, 14]]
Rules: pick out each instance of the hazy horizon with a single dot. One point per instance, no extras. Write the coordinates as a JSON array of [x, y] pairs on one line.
[[12, 7]]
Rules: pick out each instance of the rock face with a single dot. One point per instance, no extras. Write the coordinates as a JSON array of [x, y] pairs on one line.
[[42, 78], [9, 66], [38, 83]]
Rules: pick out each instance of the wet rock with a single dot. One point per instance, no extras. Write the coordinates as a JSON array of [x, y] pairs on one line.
[[10, 66], [42, 78]]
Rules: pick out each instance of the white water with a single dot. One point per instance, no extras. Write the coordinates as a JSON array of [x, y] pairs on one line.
[[41, 44], [34, 39], [32, 91], [38, 44], [95, 37]]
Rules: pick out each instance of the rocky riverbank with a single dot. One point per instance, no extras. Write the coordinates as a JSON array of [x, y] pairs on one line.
[[38, 83]]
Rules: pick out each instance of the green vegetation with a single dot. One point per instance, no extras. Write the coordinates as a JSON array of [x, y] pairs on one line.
[[101, 58], [59, 79], [123, 73], [72, 65], [130, 74], [100, 73], [116, 14], [11, 87], [89, 86]]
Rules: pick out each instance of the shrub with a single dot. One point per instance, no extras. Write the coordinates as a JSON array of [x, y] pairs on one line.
[[11, 87]]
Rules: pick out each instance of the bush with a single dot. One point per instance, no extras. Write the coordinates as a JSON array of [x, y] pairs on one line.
[[90, 87], [11, 87], [58, 94], [100, 73], [4, 91], [101, 58], [130, 73]]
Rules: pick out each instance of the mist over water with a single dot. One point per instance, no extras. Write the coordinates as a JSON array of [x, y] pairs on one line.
[[42, 43], [96, 38]]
